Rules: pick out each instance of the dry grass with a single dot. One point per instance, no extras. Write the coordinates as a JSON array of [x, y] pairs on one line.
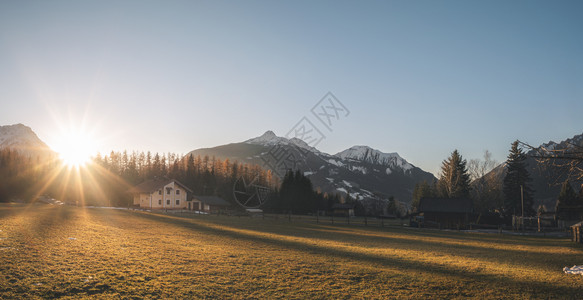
[[100, 253]]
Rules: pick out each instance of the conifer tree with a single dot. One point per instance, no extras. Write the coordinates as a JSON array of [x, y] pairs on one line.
[[421, 190], [454, 180], [517, 182], [566, 202]]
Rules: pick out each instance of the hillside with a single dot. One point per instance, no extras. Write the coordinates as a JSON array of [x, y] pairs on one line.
[[360, 171], [546, 177], [22, 139]]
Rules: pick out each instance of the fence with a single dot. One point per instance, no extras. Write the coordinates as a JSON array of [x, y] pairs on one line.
[[315, 219]]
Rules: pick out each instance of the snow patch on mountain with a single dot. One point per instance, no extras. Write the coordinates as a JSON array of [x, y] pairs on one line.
[[336, 162], [269, 138], [373, 156], [360, 169]]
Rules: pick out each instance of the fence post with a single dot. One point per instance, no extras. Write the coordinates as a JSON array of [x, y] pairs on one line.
[[348, 219], [365, 221], [317, 217]]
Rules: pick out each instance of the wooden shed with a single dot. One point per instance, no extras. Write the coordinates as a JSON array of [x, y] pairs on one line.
[[446, 212]]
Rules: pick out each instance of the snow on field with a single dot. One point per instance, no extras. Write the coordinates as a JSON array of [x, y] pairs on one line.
[[330, 179], [342, 190], [573, 270], [308, 173], [346, 183]]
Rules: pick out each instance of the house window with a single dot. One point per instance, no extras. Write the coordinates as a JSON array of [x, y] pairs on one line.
[[167, 201], [177, 202], [159, 192], [168, 191], [159, 201], [177, 192]]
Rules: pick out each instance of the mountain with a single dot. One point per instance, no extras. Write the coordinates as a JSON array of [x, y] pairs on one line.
[[360, 171], [22, 139], [546, 177]]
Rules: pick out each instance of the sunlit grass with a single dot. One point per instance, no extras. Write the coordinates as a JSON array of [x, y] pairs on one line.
[[64, 251]]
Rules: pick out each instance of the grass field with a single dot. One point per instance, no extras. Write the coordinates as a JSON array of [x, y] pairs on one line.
[[69, 252]]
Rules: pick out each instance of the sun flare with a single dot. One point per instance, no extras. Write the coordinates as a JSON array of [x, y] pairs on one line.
[[75, 148]]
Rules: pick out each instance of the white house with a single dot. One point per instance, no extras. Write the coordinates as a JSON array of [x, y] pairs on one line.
[[161, 193]]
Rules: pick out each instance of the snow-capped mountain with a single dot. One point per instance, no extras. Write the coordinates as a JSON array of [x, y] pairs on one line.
[[376, 157], [360, 171], [21, 138], [547, 177], [269, 139]]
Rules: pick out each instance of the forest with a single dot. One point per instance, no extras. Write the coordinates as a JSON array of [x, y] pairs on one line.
[[107, 179]]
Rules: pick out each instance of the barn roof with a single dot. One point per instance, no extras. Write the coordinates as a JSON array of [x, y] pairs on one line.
[[445, 205], [155, 184]]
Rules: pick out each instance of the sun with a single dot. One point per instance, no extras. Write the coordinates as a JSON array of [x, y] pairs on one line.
[[75, 148]]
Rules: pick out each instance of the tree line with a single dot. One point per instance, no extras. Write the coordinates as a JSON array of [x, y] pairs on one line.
[[108, 178], [297, 195], [511, 196]]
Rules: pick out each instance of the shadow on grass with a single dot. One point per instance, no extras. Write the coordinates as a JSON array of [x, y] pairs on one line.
[[389, 262]]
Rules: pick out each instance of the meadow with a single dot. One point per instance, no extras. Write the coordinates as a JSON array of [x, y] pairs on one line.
[[57, 251]]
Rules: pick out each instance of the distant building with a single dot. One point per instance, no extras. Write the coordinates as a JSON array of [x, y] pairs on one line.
[[209, 203], [161, 193], [343, 209], [446, 212]]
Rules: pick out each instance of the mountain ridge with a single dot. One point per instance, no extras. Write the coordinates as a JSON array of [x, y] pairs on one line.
[[23, 139], [359, 171]]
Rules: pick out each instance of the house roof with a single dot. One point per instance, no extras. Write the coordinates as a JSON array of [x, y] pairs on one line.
[[155, 184], [446, 205], [212, 200]]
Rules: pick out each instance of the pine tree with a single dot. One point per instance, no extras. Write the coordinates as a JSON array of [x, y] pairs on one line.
[[454, 181], [421, 190], [566, 202], [517, 178]]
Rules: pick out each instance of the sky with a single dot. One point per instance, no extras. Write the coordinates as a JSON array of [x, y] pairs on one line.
[[420, 78]]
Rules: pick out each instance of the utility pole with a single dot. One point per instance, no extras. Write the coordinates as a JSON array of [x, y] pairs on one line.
[[522, 202]]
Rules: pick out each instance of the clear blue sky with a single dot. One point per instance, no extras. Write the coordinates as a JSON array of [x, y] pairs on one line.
[[420, 78]]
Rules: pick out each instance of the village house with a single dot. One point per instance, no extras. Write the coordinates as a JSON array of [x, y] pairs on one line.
[[161, 193]]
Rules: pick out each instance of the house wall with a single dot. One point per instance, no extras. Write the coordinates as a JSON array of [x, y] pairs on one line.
[[165, 198], [142, 199]]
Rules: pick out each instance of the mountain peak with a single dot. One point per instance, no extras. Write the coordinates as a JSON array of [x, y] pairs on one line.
[[374, 156], [268, 135], [268, 138], [21, 137]]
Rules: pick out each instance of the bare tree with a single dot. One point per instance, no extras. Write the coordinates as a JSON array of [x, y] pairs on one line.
[[569, 159], [478, 168], [486, 189]]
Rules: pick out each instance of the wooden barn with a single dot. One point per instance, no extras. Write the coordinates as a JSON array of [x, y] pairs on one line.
[[451, 213]]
